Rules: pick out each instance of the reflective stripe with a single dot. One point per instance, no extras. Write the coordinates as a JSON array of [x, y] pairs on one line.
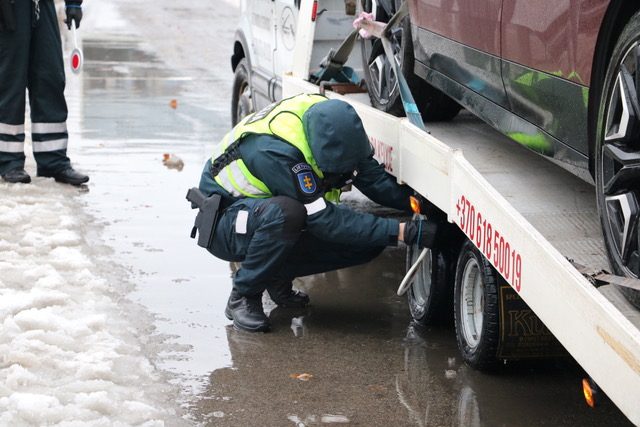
[[53, 145], [315, 207], [11, 147], [241, 222], [49, 127], [233, 180], [11, 129]]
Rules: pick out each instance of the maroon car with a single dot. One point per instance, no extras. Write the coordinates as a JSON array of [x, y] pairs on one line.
[[559, 76]]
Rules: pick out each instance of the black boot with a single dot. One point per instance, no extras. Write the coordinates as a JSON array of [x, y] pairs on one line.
[[283, 294], [246, 312], [17, 175], [67, 176]]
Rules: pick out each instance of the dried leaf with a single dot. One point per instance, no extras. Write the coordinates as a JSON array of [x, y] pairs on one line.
[[301, 377], [173, 103]]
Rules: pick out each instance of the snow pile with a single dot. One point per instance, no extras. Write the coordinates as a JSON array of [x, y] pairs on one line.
[[69, 353]]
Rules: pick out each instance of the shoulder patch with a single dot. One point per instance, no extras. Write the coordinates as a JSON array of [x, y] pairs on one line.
[[300, 167], [307, 182]]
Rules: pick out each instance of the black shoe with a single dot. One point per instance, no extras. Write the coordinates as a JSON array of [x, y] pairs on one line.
[[17, 175], [68, 176], [247, 313], [283, 294]]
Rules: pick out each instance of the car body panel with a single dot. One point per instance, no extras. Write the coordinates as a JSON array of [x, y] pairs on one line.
[[554, 36], [451, 47], [505, 121], [532, 59], [475, 23], [548, 48], [556, 105]]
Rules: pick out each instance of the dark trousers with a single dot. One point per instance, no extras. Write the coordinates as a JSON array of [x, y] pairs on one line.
[[274, 247], [31, 58]]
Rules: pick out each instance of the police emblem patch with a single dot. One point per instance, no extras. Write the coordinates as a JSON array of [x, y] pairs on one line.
[[307, 182]]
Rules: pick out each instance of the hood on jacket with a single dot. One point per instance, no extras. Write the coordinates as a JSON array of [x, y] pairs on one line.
[[336, 136]]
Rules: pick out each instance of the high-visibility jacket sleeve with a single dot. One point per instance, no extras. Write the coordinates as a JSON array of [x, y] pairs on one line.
[[283, 169], [381, 187]]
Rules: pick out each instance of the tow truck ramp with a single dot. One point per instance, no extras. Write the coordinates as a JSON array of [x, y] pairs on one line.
[[597, 326]]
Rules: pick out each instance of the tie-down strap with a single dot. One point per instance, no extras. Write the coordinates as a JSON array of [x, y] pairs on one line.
[[602, 277]]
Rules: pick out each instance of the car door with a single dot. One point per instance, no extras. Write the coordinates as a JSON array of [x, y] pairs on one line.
[[547, 52], [262, 47], [461, 40], [286, 18]]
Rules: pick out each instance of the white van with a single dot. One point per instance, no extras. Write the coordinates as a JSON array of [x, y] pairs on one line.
[[264, 42]]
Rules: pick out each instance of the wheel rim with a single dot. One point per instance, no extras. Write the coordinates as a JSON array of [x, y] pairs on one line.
[[620, 163], [383, 81], [472, 303], [421, 286], [243, 108]]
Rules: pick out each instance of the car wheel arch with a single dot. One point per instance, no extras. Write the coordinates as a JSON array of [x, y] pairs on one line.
[[618, 13]]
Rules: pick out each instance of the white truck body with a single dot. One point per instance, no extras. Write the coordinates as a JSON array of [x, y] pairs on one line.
[[519, 224]]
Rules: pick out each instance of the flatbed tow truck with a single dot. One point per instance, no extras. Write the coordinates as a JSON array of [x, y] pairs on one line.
[[528, 217]]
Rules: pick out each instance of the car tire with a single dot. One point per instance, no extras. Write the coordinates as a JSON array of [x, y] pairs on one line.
[[617, 157], [383, 87], [241, 101], [427, 295], [476, 308]]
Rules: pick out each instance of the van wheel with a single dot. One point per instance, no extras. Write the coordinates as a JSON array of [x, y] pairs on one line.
[[476, 308], [617, 157], [241, 101]]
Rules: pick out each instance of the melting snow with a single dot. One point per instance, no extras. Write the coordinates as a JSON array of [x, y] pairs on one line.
[[70, 350]]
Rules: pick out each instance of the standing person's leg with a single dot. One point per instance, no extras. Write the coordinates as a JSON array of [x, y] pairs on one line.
[[14, 62], [46, 98], [260, 233]]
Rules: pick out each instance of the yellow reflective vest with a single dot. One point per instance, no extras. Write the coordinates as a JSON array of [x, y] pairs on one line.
[[283, 120]]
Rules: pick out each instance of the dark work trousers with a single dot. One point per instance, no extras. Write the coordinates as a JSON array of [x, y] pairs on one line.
[[31, 58], [267, 236]]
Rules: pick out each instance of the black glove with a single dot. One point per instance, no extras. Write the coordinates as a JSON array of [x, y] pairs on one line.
[[74, 13], [424, 233]]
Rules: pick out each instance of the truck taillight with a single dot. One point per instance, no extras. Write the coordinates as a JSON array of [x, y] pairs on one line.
[[589, 390], [415, 204], [314, 11]]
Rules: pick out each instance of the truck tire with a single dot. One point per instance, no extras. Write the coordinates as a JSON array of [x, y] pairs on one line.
[[427, 295], [241, 101], [617, 157], [476, 308], [382, 84]]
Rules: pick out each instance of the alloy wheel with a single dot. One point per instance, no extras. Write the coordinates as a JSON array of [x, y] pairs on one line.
[[620, 163], [384, 82]]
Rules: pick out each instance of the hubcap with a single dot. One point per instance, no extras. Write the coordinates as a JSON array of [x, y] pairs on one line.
[[244, 102], [422, 282], [472, 301], [621, 162]]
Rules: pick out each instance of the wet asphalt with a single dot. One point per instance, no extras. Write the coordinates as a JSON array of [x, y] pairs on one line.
[[353, 357]]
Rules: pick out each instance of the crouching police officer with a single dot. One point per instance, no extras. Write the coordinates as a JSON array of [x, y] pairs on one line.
[[278, 173], [31, 58]]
